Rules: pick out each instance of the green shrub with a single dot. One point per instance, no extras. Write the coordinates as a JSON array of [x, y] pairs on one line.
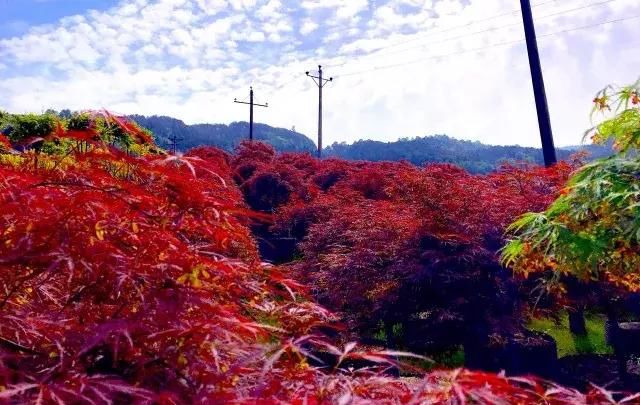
[[30, 125]]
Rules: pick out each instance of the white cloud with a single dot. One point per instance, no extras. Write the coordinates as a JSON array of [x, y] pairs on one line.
[[270, 10], [343, 9], [308, 26], [190, 58], [256, 36], [242, 4]]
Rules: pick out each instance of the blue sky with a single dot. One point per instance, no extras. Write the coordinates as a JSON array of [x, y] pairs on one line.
[[402, 68], [17, 16]]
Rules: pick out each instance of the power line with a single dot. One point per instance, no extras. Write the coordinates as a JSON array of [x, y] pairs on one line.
[[278, 87], [377, 52], [500, 27], [431, 34], [479, 49]]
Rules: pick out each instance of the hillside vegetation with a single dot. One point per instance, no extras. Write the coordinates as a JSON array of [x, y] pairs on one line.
[[474, 157], [226, 137]]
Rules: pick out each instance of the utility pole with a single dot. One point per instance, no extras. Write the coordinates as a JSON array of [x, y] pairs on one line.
[[251, 104], [321, 83], [544, 121], [173, 145]]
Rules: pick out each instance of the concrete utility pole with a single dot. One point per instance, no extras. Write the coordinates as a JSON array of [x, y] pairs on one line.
[[544, 121], [251, 104], [321, 83]]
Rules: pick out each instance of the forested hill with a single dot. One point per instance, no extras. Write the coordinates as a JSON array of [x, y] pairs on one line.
[[226, 137], [476, 157]]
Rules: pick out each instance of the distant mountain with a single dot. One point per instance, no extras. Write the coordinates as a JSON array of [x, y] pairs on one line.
[[475, 157], [226, 137]]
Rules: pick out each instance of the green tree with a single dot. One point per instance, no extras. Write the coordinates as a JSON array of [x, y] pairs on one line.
[[25, 126], [592, 231]]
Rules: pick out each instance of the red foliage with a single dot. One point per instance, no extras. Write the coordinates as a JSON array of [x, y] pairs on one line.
[[128, 126], [150, 278], [135, 280], [254, 152], [5, 145], [269, 181], [386, 241]]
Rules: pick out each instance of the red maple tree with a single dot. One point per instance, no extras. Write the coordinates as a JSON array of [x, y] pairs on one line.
[[133, 278]]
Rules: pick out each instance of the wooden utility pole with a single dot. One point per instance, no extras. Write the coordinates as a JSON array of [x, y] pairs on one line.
[[173, 145], [321, 83], [544, 121], [251, 104]]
